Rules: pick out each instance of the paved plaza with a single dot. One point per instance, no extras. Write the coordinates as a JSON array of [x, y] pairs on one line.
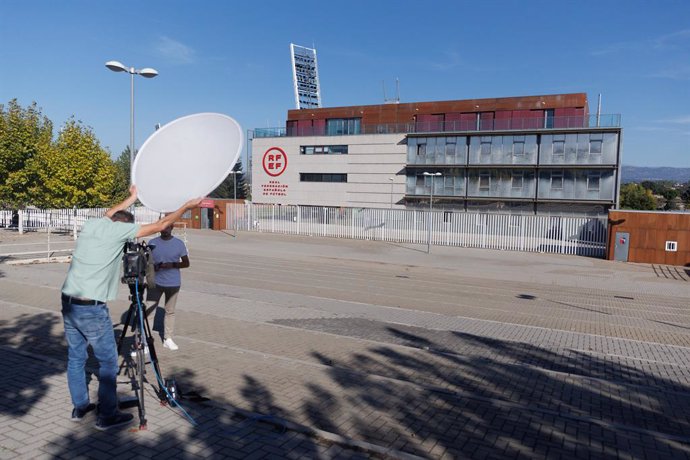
[[295, 347]]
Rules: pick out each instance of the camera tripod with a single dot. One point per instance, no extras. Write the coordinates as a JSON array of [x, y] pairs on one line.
[[135, 364]]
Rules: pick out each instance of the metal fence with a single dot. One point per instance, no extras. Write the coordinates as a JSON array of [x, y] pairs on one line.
[[58, 229], [62, 220], [584, 236]]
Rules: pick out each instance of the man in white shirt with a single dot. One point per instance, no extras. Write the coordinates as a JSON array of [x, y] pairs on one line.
[[169, 256]]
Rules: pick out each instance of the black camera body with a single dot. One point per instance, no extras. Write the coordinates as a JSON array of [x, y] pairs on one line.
[[137, 263]]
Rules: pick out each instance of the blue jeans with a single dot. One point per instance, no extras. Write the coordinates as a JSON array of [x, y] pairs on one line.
[[91, 325]]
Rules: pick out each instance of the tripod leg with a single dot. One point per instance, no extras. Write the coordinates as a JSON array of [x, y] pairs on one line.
[[132, 307]]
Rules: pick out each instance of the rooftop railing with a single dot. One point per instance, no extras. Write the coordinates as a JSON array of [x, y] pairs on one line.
[[504, 124]]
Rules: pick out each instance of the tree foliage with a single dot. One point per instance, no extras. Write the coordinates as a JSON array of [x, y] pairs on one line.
[[24, 134], [122, 176], [635, 196], [226, 189], [77, 171]]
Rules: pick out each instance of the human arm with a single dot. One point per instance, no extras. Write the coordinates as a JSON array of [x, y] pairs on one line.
[[157, 227], [126, 203], [183, 263]]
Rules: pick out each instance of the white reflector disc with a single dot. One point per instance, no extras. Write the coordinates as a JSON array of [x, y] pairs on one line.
[[187, 158]]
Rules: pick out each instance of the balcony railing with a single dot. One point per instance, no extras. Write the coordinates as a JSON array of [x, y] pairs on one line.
[[501, 124]]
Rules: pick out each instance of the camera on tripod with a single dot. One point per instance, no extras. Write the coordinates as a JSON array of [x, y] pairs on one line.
[[137, 263]]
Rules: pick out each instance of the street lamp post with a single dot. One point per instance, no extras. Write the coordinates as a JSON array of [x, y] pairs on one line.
[[146, 72], [431, 200], [234, 203], [391, 179]]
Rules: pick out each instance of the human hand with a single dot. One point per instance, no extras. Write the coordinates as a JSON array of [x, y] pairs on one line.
[[193, 203]]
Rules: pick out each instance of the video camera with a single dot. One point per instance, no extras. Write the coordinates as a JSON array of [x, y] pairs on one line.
[[137, 264]]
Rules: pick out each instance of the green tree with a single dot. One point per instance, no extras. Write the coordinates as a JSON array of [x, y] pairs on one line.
[[635, 196], [24, 134], [226, 189], [77, 171], [122, 176]]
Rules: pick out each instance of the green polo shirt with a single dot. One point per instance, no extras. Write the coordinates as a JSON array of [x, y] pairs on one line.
[[97, 259]]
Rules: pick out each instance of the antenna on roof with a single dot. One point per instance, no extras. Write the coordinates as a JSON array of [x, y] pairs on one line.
[[396, 99]]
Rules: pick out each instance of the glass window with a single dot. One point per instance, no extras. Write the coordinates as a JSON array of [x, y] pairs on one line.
[[485, 147], [595, 147], [342, 126], [484, 181], [450, 147], [421, 149], [323, 149], [517, 180], [518, 148], [548, 118], [557, 180], [593, 180], [559, 148], [320, 177]]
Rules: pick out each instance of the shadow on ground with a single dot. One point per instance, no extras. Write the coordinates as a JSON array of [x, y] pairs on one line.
[[36, 353], [462, 395]]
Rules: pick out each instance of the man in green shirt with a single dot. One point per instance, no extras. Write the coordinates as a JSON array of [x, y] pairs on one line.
[[92, 280]]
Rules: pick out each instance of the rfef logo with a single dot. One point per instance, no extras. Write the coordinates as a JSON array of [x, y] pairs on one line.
[[275, 161]]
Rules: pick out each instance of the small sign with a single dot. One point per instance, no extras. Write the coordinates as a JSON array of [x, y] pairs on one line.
[[206, 203]]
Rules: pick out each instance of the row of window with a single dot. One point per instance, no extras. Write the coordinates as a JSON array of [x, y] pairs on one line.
[[322, 177], [556, 180], [323, 149], [576, 148]]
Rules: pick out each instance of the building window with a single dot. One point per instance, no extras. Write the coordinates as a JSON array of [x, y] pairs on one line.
[[187, 215], [450, 148], [593, 181], [421, 149], [323, 149], [548, 118], [519, 148], [343, 126], [595, 147], [485, 146], [484, 181], [557, 180], [517, 180], [558, 148], [321, 177]]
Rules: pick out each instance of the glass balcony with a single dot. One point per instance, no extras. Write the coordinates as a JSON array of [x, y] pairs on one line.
[[504, 124]]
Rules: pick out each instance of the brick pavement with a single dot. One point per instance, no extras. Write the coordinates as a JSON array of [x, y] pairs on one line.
[[507, 358]]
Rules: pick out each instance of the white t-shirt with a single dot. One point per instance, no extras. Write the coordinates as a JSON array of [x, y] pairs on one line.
[[168, 251]]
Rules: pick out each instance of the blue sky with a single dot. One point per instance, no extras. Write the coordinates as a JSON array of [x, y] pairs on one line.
[[233, 57]]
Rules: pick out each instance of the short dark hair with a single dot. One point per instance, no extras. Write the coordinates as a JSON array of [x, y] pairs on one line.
[[123, 216]]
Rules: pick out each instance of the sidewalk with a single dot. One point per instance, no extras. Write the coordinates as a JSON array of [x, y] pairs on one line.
[[455, 354]]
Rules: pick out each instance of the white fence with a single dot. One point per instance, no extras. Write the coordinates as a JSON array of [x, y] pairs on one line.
[[62, 220], [58, 228], [584, 236]]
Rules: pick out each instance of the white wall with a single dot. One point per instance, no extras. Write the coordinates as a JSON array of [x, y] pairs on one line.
[[370, 162]]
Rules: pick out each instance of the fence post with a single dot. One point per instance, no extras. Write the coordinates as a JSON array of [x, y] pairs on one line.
[[74, 223], [20, 224]]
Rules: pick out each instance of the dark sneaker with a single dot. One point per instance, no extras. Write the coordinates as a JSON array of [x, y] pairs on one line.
[[78, 414], [119, 419]]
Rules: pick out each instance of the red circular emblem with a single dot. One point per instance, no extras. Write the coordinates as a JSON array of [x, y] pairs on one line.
[[274, 161]]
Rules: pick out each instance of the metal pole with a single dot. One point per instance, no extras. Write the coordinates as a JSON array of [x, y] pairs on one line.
[[234, 207], [431, 200], [391, 179], [131, 124]]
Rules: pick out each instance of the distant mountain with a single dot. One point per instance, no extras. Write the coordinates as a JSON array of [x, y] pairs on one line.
[[640, 173]]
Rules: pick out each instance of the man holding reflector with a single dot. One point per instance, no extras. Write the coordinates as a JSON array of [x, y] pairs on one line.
[[92, 280]]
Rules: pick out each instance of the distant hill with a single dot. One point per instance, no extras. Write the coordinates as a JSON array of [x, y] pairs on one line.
[[640, 173]]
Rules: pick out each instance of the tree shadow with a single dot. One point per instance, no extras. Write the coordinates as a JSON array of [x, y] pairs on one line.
[[36, 354], [464, 395]]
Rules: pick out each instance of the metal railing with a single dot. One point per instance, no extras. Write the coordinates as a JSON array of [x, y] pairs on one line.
[[58, 228], [584, 236], [494, 124]]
